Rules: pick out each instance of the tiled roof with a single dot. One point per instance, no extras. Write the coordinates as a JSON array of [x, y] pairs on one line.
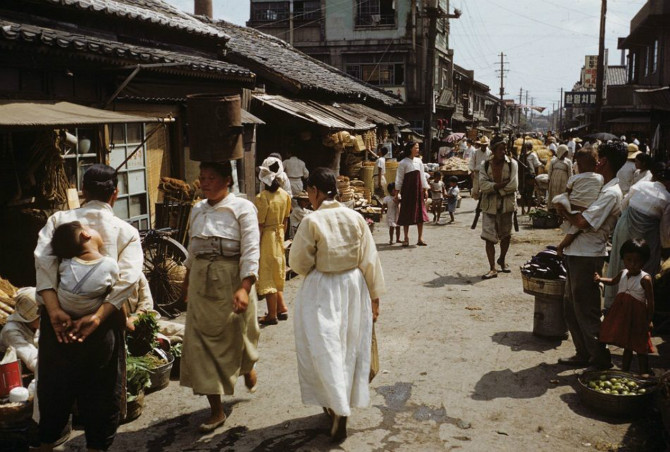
[[281, 63], [617, 75], [152, 11], [122, 53]]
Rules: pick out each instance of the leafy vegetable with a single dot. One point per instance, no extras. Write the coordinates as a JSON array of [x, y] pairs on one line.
[[176, 350], [138, 375], [143, 339]]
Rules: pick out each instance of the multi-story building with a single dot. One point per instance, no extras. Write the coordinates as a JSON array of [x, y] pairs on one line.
[[642, 106], [382, 42]]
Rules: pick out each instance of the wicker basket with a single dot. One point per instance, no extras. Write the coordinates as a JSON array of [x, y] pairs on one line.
[[13, 413], [612, 404], [552, 288]]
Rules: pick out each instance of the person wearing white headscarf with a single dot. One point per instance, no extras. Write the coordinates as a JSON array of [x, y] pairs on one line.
[[274, 208], [284, 181], [560, 170], [19, 331]]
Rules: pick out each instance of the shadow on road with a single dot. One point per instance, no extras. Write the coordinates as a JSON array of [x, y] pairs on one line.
[[525, 341], [181, 434], [452, 280], [524, 384]]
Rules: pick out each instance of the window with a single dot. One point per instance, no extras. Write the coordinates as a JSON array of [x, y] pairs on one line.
[[132, 203], [307, 10], [654, 58], [384, 70], [633, 67], [270, 11], [372, 13], [647, 61], [80, 153]]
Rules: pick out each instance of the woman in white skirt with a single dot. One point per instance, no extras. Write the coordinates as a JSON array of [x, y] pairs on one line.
[[337, 303]]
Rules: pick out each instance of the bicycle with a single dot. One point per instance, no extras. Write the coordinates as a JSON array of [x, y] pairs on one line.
[[164, 269]]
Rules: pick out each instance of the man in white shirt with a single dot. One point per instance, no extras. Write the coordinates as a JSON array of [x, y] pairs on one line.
[[572, 145], [380, 179], [296, 171], [585, 256], [469, 151], [480, 156]]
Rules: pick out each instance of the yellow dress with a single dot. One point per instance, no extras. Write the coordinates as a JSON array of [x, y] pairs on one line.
[[273, 210]]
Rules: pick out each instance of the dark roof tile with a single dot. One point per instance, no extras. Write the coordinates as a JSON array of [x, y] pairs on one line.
[[33, 34], [279, 60]]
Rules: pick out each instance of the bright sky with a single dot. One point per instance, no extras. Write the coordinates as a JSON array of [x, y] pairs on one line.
[[544, 41]]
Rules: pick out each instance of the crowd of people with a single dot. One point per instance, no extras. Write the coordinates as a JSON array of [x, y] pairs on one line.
[[89, 274]]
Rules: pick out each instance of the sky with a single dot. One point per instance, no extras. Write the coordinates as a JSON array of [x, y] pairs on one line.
[[544, 41]]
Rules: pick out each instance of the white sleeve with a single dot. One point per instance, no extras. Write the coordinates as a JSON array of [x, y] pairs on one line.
[[400, 175], [250, 239], [599, 210], [130, 262]]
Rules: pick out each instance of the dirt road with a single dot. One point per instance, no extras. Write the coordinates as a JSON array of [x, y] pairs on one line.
[[461, 369]]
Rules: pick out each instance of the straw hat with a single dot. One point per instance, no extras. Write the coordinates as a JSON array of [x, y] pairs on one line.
[[483, 140], [633, 151], [26, 306], [552, 139], [301, 195], [562, 150]]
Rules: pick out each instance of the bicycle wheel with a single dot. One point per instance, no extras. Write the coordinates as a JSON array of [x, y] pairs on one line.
[[165, 271]]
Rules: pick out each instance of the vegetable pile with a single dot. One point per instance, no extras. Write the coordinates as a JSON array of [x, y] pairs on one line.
[[546, 264], [143, 339], [616, 386]]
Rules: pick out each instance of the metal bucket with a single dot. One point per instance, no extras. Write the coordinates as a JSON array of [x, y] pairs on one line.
[[215, 127], [548, 320]]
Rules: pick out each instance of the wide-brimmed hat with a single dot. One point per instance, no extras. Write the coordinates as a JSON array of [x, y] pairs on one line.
[[633, 151], [562, 150], [483, 140], [552, 139], [25, 309], [301, 195]]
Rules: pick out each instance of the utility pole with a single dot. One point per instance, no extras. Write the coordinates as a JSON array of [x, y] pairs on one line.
[[600, 72], [532, 100], [502, 92], [527, 109], [553, 115], [518, 116], [432, 12], [560, 112], [290, 22]]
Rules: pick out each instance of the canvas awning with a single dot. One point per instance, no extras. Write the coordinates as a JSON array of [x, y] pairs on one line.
[[317, 113], [31, 114]]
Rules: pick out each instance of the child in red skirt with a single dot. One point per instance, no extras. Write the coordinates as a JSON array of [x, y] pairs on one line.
[[628, 322]]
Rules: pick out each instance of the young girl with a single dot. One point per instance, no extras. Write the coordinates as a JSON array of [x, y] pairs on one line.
[[437, 192], [628, 321], [391, 205], [452, 197]]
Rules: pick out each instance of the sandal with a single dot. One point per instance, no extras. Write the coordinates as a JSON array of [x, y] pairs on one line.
[[490, 275], [405, 243], [422, 243], [282, 315], [504, 267], [265, 321]]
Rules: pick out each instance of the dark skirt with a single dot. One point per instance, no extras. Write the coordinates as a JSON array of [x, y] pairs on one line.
[[412, 206]]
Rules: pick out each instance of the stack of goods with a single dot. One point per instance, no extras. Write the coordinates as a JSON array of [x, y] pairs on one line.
[[391, 170], [344, 191], [455, 166], [546, 264], [367, 174], [7, 303], [175, 189], [362, 194], [370, 139]]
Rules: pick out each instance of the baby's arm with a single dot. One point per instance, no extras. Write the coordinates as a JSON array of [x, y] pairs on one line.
[[649, 294], [608, 281]]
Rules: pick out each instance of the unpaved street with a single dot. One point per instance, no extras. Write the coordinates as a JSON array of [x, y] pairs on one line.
[[460, 370]]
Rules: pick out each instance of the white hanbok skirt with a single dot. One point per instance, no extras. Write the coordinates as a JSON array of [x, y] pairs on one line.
[[333, 336]]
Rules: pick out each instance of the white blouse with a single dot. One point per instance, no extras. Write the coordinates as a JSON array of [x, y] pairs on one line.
[[647, 197], [234, 221], [407, 165]]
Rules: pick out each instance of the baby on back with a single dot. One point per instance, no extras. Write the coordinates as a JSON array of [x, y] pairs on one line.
[[582, 188]]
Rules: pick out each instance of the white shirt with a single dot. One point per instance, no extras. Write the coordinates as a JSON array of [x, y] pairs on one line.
[[632, 285], [407, 165], [295, 168], [381, 165], [121, 242], [235, 221], [478, 158], [533, 162], [468, 153], [285, 183], [649, 198], [625, 176], [641, 176], [19, 336], [584, 188], [602, 215], [90, 295], [571, 148]]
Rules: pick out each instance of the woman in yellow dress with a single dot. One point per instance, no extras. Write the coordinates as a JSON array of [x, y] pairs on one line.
[[274, 209]]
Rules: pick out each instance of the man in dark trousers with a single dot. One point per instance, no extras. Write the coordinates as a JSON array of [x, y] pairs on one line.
[[586, 256]]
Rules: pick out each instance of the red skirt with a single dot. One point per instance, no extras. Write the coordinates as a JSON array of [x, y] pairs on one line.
[[626, 325], [412, 207]]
